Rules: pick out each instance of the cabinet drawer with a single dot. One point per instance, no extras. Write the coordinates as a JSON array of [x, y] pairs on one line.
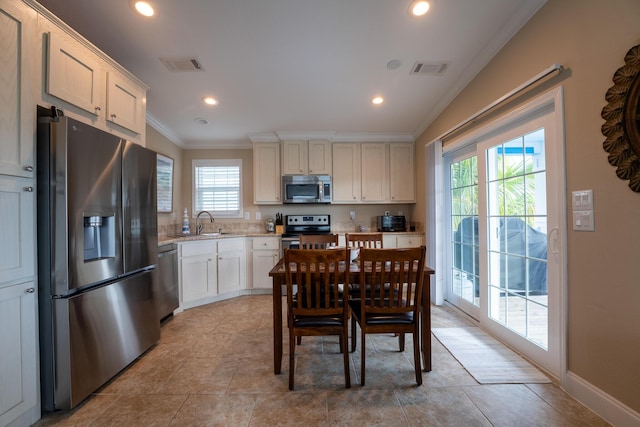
[[260, 243], [230, 245], [196, 248]]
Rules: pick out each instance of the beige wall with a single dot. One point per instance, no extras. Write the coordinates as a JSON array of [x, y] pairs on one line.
[[160, 144], [589, 38]]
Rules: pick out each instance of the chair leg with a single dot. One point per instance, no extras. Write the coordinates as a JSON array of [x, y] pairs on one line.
[[292, 360], [299, 340], [362, 357], [353, 335], [401, 341], [416, 357], [344, 338]]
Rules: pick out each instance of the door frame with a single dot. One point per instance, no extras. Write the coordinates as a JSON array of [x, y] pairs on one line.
[[551, 101]]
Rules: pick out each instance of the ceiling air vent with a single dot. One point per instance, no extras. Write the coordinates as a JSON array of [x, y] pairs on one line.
[[181, 65], [428, 68]]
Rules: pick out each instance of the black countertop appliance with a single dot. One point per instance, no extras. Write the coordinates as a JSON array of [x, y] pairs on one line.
[[391, 223]]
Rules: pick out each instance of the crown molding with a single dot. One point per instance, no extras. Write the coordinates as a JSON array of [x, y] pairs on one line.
[[164, 130], [292, 136]]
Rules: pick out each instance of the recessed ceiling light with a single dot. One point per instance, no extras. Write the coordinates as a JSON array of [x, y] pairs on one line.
[[377, 100], [209, 100], [394, 64], [143, 8], [419, 7]]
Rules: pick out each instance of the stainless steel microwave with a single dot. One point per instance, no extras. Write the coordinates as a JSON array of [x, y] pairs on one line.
[[306, 189]]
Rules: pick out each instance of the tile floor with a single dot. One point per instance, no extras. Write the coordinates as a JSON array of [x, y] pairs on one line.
[[214, 366]]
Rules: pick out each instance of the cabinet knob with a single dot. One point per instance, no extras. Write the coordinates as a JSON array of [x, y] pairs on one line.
[[28, 168], [28, 189], [29, 290]]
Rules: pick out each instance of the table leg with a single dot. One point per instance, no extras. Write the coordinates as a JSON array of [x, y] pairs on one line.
[[277, 324], [426, 323]]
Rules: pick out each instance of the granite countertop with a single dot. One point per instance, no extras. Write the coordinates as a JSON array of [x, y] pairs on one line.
[[208, 236]]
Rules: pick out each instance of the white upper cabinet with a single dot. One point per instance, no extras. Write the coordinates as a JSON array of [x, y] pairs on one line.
[[17, 93], [126, 103], [306, 157], [89, 86], [266, 173], [346, 173], [402, 173], [74, 75], [368, 172], [375, 183]]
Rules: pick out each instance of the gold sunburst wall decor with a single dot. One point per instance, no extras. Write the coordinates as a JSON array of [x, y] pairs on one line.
[[622, 115]]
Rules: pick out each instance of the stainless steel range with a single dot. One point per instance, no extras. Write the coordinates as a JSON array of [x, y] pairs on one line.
[[295, 225]]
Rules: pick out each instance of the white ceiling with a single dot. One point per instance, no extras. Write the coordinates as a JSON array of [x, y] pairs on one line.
[[297, 67]]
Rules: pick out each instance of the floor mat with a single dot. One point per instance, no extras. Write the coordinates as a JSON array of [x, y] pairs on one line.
[[486, 359]]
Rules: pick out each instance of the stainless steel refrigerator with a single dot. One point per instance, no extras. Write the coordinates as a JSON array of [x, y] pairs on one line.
[[97, 249]]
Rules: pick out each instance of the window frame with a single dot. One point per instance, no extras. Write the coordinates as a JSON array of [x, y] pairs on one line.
[[198, 163]]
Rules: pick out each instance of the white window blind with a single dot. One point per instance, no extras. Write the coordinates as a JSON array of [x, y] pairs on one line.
[[217, 187]]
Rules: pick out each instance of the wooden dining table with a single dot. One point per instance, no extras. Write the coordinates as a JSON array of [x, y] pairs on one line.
[[278, 275]]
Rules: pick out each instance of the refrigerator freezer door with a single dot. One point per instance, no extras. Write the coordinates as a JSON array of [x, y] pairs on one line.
[[98, 333], [140, 217]]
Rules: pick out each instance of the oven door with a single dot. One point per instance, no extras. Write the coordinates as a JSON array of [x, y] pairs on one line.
[[290, 243]]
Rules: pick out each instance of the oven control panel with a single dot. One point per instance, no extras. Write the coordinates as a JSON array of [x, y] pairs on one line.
[[307, 220]]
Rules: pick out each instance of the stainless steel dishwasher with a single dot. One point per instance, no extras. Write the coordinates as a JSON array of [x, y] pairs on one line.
[[166, 280]]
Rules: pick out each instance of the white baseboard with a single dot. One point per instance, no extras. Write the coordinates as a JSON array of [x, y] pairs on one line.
[[610, 409]]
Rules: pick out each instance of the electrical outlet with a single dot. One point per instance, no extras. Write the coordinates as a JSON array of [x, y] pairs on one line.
[[352, 215], [247, 215], [258, 215]]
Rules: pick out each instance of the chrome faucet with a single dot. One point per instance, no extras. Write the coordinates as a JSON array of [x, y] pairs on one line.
[[198, 225]]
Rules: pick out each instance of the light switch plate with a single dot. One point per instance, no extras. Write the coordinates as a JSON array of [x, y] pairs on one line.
[[258, 215], [247, 215]]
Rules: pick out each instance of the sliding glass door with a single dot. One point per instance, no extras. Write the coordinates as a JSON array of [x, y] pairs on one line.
[[505, 202]]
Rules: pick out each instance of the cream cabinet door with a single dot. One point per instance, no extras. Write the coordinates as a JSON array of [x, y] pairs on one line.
[[401, 173], [18, 390], [295, 157], [231, 265], [346, 173], [17, 126], [197, 278], [197, 272], [74, 75], [266, 173], [411, 241], [126, 103], [17, 210], [375, 186], [265, 254], [319, 157]]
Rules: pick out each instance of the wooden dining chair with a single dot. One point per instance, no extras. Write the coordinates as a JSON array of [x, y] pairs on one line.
[[318, 241], [357, 241], [363, 240], [317, 308], [394, 279]]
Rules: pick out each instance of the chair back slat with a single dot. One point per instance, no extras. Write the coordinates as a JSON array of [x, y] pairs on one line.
[[318, 241], [363, 240]]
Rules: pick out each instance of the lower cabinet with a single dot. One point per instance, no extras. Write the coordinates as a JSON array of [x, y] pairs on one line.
[[18, 391], [232, 268], [265, 253], [402, 240], [197, 272], [211, 270]]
